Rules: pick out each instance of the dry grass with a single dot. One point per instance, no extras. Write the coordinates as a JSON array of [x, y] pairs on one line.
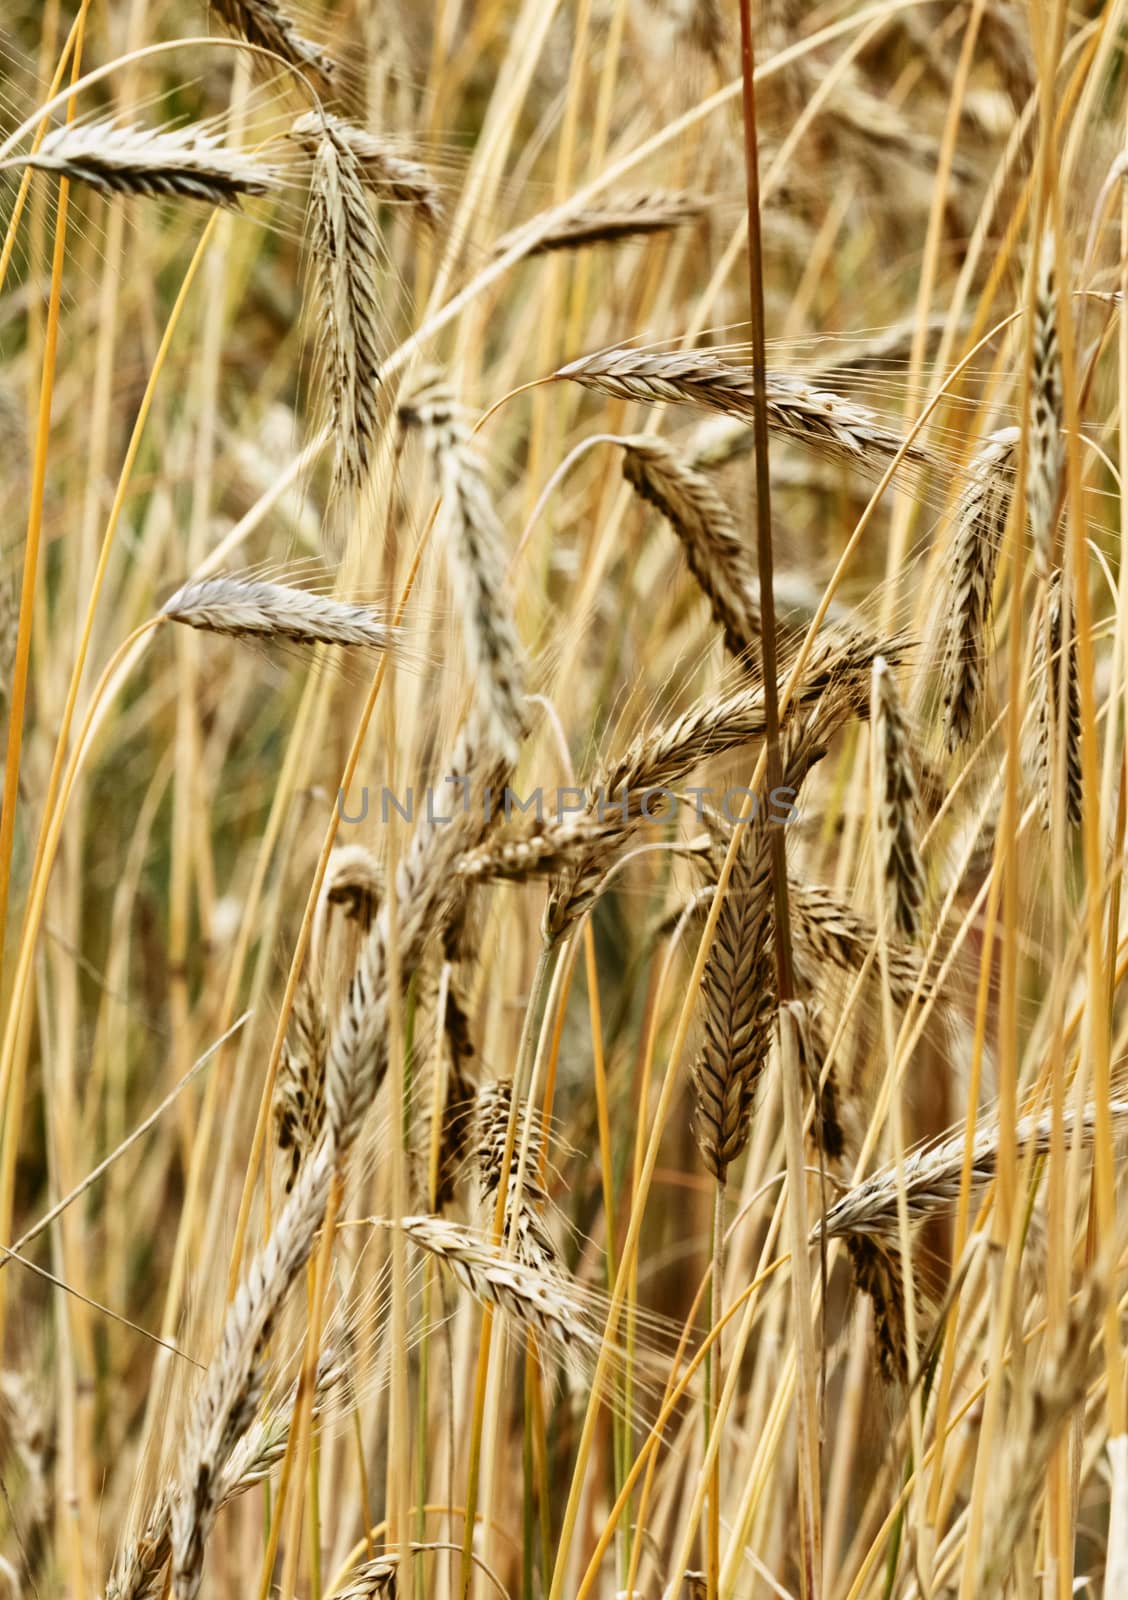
[[447, 1149]]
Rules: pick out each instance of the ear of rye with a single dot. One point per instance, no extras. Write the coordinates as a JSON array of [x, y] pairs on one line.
[[1058, 702], [384, 171], [179, 163], [1046, 449], [257, 611], [980, 522], [346, 260], [475, 546], [717, 556], [266, 23], [897, 804]]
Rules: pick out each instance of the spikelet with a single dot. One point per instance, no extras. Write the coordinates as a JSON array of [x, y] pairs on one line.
[[354, 882], [458, 1097], [545, 1302], [980, 519], [718, 557], [299, 1088], [1051, 656], [523, 1221], [841, 660], [264, 1443], [738, 985], [384, 171], [827, 929], [630, 790], [1046, 450], [346, 256], [249, 608], [475, 545], [374, 1580], [877, 1273], [895, 801], [632, 215], [739, 999], [140, 1562], [188, 163], [717, 440], [266, 24]]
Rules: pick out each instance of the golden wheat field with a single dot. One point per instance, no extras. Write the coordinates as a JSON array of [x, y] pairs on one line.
[[564, 663]]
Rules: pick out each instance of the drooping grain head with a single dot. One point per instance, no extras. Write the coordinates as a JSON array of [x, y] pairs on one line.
[[346, 261], [828, 931], [545, 1301], [267, 24], [384, 170], [354, 883], [718, 557], [896, 806], [1058, 701], [739, 1002], [299, 1089], [980, 521], [634, 215], [877, 1274], [189, 163], [475, 546], [829, 424], [457, 1111], [931, 1176], [251, 609], [487, 1136], [373, 1580], [1046, 447]]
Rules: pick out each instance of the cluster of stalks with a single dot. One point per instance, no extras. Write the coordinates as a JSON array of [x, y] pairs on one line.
[[560, 859]]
